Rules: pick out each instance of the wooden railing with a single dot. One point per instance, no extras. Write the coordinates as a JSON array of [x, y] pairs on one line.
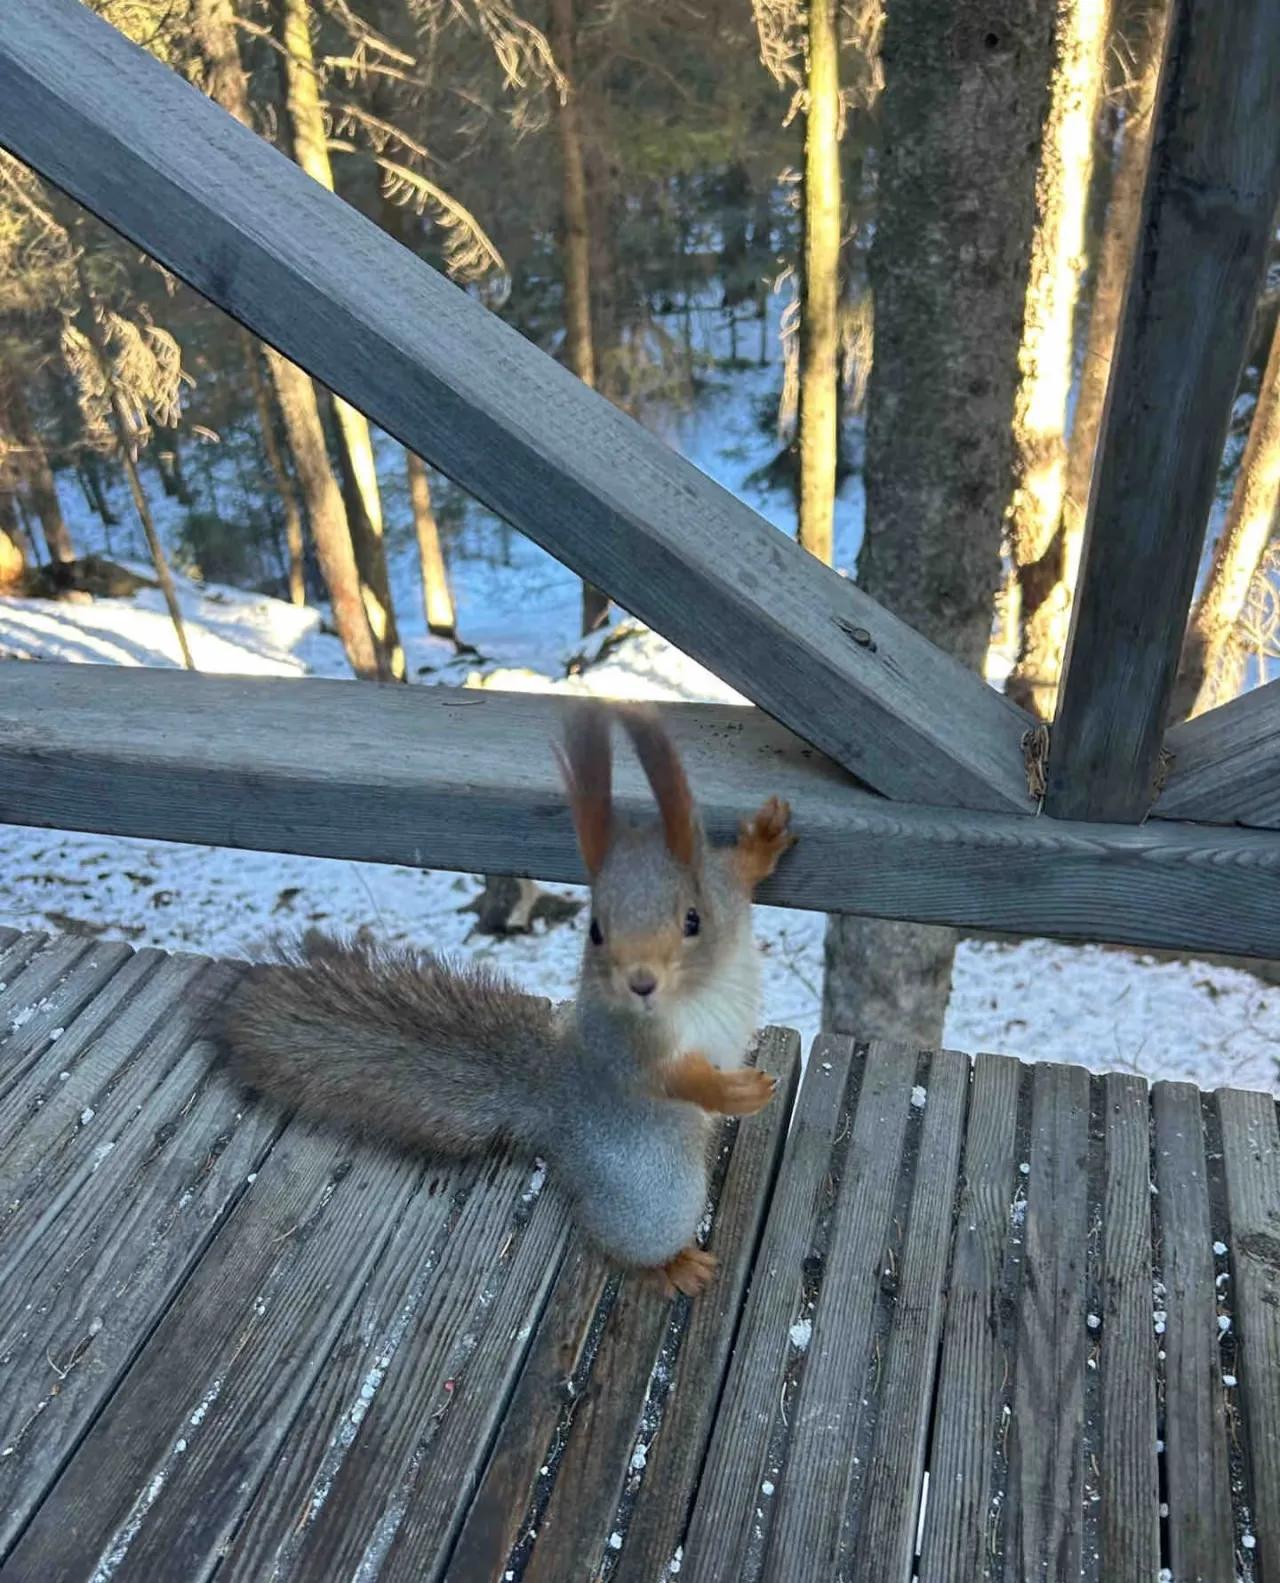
[[448, 778]]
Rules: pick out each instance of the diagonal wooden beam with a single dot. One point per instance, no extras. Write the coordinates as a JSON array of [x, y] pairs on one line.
[[1226, 764], [465, 779], [129, 139], [1208, 218]]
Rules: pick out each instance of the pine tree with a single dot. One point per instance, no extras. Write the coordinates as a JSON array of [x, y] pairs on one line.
[[309, 146], [961, 115], [214, 24], [818, 426], [576, 240], [1211, 664], [1047, 572], [1047, 356]]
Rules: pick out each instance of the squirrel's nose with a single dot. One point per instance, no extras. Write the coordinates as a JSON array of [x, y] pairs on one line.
[[642, 981]]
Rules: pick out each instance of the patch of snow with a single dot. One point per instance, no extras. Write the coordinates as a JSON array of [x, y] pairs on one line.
[[801, 1333]]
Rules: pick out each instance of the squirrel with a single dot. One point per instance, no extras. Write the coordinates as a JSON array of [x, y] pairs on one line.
[[616, 1090]]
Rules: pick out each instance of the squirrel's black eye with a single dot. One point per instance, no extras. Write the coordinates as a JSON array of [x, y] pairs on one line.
[[692, 923], [597, 938]]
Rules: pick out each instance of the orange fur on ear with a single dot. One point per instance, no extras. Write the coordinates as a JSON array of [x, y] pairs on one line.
[[586, 764], [661, 764]]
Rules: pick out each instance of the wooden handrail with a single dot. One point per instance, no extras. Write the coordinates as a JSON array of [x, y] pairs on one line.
[[463, 778]]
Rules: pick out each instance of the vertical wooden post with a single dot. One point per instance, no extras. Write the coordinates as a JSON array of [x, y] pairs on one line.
[[1208, 218]]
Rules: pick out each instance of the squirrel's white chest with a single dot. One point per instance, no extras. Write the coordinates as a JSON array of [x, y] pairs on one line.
[[719, 1019]]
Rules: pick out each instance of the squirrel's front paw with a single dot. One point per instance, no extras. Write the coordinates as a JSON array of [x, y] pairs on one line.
[[744, 1091], [690, 1272], [763, 839]]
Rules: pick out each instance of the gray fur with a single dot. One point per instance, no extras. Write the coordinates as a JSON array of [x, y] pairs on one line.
[[451, 1059], [398, 1043]]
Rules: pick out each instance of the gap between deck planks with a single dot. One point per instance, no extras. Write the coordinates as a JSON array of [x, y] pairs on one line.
[[1031, 1301]]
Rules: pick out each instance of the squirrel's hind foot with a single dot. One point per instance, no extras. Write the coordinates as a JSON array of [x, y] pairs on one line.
[[690, 1272]]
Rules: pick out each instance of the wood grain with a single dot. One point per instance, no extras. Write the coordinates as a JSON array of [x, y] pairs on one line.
[[70, 1072], [814, 1493], [675, 1450], [976, 1376], [378, 1468], [1226, 763], [466, 779], [1207, 224], [881, 1536], [1251, 1161], [719, 1531], [1128, 1473], [539, 1414], [1046, 1442], [1197, 1467], [37, 1027], [228, 213], [162, 1477], [101, 1236]]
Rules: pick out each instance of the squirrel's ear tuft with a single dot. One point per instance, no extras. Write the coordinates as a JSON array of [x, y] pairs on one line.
[[661, 764], [586, 764]]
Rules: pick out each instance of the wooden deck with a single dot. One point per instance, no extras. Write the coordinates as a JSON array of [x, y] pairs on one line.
[[232, 1346]]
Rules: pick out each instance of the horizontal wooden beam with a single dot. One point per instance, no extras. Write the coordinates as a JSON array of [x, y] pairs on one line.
[[465, 779], [1208, 220], [1226, 763], [231, 215]]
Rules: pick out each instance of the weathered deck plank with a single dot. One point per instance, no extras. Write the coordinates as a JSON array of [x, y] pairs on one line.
[[378, 1468], [68, 1073], [962, 1528], [1196, 1459], [815, 1485], [1251, 1162], [230, 1344], [36, 1027], [1045, 1510], [107, 1209], [775, 1330], [1129, 1526], [882, 1537]]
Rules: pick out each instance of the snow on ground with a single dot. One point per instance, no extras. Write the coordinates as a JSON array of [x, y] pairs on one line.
[[1106, 1008]]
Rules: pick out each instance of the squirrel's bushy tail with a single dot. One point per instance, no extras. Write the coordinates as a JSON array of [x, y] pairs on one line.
[[397, 1042]]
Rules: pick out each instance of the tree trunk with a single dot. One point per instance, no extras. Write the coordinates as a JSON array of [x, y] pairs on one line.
[[437, 600], [325, 513], [364, 512], [91, 481], [127, 441], [169, 461], [961, 113], [214, 27], [1209, 670], [1047, 572], [309, 146], [41, 486], [818, 426], [275, 461], [575, 246], [1047, 355]]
